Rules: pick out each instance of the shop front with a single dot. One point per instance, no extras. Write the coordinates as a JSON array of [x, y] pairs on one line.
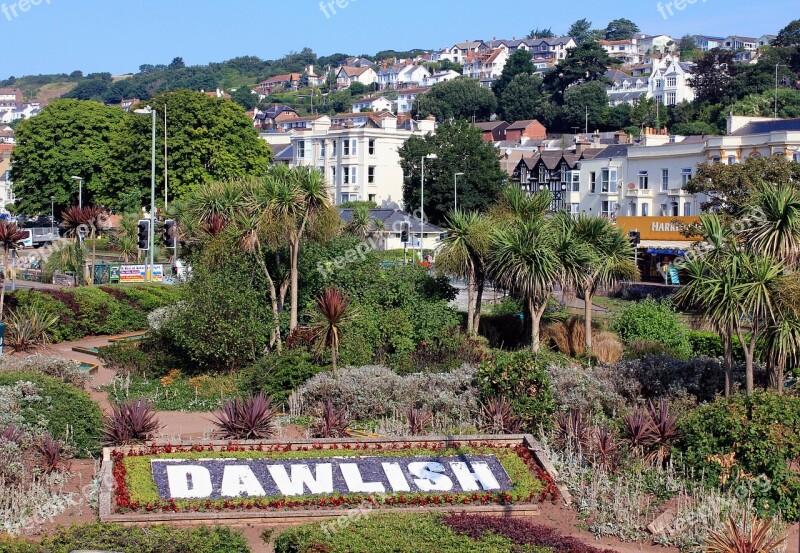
[[660, 242]]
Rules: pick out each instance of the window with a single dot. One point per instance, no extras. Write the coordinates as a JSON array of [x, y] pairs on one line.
[[593, 182], [665, 179], [372, 198], [797, 157], [345, 175], [644, 180], [659, 83], [543, 174], [671, 98], [301, 149], [576, 181], [606, 209], [372, 146], [659, 99], [346, 148], [609, 180], [674, 206], [354, 147], [632, 210], [715, 159], [645, 210], [663, 210], [687, 209], [731, 160], [349, 197], [354, 175], [371, 175], [672, 81], [574, 209], [322, 148], [563, 173], [333, 148], [686, 174], [333, 175]]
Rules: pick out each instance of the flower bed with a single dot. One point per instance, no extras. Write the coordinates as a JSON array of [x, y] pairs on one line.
[[137, 492]]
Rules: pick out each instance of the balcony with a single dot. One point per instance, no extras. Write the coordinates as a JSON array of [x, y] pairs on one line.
[[680, 192], [640, 193]]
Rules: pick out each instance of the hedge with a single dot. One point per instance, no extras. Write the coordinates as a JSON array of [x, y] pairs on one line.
[[95, 311]]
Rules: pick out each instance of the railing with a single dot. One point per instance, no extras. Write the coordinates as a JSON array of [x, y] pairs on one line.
[[640, 192]]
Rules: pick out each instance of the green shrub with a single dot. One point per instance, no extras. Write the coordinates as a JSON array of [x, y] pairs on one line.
[[653, 321], [747, 443], [381, 533], [277, 375], [522, 378], [70, 413], [145, 357], [66, 370], [153, 539], [709, 344]]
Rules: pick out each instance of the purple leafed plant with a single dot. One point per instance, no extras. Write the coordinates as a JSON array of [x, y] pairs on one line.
[[500, 417], [606, 448], [571, 429], [12, 433], [130, 421], [331, 421], [418, 420], [638, 429], [52, 452], [250, 418]]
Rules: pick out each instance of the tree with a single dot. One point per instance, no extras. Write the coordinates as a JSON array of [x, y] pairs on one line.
[[68, 138], [713, 75], [789, 36], [332, 314], [581, 31], [465, 254], [89, 89], [588, 62], [578, 99], [461, 98], [730, 188], [541, 33], [621, 29], [520, 63], [209, 139], [459, 148], [525, 98], [245, 98], [176, 63], [357, 89], [10, 237]]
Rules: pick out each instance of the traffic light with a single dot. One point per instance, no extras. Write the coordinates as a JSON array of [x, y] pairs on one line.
[[635, 237], [144, 234], [169, 233], [404, 233]]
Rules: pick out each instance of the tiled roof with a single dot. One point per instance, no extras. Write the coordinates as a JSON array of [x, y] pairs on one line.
[[491, 125], [521, 125], [761, 127], [391, 216], [615, 150]]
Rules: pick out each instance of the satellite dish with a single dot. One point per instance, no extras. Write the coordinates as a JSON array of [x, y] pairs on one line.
[[631, 186]]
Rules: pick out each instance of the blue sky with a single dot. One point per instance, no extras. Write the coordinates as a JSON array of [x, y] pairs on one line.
[[102, 35]]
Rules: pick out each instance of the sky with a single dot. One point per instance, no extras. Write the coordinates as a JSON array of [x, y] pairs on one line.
[[60, 36]]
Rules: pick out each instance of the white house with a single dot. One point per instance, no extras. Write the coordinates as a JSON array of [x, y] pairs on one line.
[[649, 44], [412, 76], [10, 99], [441, 77], [348, 75], [547, 52], [486, 66], [735, 42], [459, 52], [407, 97], [6, 188], [387, 76], [706, 43], [362, 163], [372, 104], [627, 51], [667, 83]]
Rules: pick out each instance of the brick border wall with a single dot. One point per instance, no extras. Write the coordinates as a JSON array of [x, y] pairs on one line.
[[285, 518]]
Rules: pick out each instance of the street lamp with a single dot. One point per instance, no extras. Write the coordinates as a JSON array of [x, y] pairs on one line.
[[455, 190], [150, 111], [422, 202], [80, 190]]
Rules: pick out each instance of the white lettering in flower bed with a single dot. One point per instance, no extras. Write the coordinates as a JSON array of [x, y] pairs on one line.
[[221, 478]]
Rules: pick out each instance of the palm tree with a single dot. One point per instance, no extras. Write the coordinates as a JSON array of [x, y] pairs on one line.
[[10, 237], [523, 261], [73, 221], [94, 218], [361, 222], [773, 224], [465, 254], [613, 262], [332, 314]]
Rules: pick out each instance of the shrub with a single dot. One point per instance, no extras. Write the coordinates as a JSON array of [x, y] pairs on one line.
[[503, 331], [277, 375], [754, 536], [52, 452], [442, 354], [712, 444], [66, 412], [66, 370], [655, 321], [153, 539], [640, 291], [499, 417], [249, 418], [129, 422], [331, 421], [373, 392], [29, 326], [598, 392], [709, 344], [418, 421], [522, 378], [607, 349]]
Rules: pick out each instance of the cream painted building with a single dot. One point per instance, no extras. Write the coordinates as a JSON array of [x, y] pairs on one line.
[[361, 162]]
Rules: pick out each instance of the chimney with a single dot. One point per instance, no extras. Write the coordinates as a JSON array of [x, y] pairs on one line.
[[581, 146], [541, 147]]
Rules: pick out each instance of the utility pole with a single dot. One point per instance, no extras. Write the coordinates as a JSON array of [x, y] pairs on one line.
[[166, 204], [586, 124]]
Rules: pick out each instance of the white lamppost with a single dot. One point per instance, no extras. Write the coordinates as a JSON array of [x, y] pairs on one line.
[[455, 190], [80, 190], [422, 202], [150, 111]]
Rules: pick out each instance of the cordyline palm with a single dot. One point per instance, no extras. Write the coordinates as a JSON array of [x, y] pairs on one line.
[[613, 261], [331, 313], [10, 237], [465, 254], [73, 220], [361, 222], [523, 260], [772, 225]]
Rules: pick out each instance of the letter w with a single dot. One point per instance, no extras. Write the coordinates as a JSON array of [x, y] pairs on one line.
[[301, 476]]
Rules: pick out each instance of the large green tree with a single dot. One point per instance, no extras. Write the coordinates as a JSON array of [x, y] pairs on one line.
[[68, 138], [208, 139], [588, 96], [460, 149], [461, 98], [525, 98], [621, 29], [520, 63], [581, 31], [712, 75], [588, 62]]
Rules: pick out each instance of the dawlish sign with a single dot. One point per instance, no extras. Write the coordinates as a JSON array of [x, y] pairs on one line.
[[226, 478], [278, 483]]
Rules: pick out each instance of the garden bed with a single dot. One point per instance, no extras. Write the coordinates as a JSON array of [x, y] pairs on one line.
[[135, 489]]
